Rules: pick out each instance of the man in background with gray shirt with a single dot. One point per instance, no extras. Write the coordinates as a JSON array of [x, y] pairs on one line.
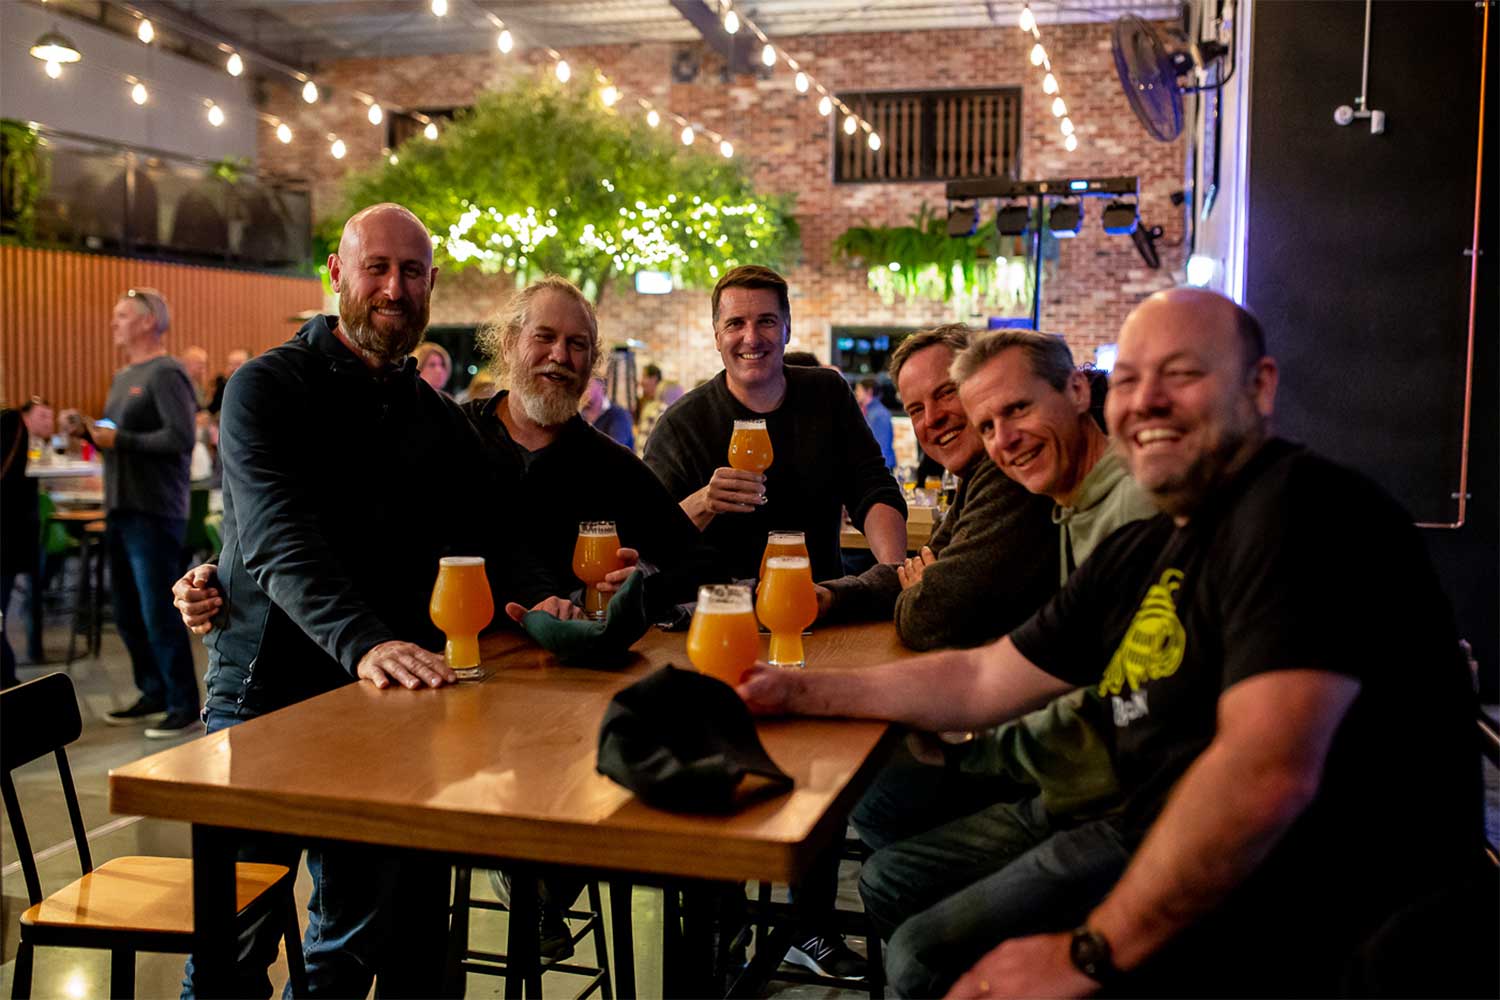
[[146, 439]]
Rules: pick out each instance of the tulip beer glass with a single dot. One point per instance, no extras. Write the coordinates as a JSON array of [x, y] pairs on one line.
[[594, 558], [787, 605], [462, 606], [750, 446], [723, 642]]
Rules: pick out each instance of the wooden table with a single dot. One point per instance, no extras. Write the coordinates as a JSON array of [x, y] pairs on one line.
[[921, 522], [502, 769]]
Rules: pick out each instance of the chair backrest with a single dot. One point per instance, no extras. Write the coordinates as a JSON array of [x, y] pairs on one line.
[[38, 718]]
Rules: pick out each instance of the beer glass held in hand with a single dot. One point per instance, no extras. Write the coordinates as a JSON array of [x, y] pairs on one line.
[[788, 604], [462, 606], [723, 641], [750, 446], [595, 556]]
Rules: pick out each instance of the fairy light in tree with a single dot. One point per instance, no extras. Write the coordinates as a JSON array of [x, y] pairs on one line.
[[610, 95], [431, 130]]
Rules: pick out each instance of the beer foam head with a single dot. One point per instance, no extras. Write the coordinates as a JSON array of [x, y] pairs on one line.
[[461, 561], [786, 538], [724, 599], [596, 529], [787, 562], [749, 425]]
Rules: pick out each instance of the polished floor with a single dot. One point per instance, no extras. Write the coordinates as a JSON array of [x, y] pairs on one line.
[[76, 974]]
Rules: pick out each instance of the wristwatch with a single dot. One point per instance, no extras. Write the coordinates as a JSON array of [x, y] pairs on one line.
[[1090, 953]]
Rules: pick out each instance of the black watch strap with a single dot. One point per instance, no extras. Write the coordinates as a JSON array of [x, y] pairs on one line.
[[1091, 955]]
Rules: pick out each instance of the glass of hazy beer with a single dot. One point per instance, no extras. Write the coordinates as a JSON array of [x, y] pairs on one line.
[[788, 604], [750, 446], [594, 558], [461, 606], [723, 641]]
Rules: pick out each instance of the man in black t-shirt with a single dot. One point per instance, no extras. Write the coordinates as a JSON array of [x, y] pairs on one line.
[[1277, 657]]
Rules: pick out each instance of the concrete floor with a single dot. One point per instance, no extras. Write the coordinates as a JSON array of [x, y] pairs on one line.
[[103, 685]]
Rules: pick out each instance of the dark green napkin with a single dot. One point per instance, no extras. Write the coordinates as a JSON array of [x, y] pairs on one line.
[[590, 643]]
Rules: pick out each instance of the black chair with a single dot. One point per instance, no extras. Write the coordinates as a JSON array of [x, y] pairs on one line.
[[127, 904]]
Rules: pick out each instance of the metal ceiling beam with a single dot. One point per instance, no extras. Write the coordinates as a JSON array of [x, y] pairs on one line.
[[739, 50]]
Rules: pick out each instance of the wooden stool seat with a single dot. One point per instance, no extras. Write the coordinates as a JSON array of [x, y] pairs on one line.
[[142, 894]]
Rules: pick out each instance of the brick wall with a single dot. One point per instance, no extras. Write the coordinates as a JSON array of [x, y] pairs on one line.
[[786, 143]]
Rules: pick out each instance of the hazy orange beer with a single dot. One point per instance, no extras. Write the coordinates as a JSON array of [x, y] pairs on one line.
[[787, 605], [594, 558], [723, 641], [750, 446], [783, 543], [461, 606]]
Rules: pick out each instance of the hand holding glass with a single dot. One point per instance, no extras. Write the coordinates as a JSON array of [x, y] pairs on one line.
[[788, 604], [595, 556], [722, 641], [462, 606]]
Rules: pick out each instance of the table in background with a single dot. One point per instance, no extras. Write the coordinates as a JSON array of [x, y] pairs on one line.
[[921, 522], [70, 469], [503, 769]]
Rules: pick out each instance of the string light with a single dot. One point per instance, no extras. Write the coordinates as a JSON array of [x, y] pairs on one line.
[[1049, 84], [687, 135], [1028, 20], [874, 141], [850, 125], [731, 22], [653, 118], [610, 95], [284, 132], [338, 149], [235, 66], [1070, 143], [1059, 107], [310, 92], [505, 42], [138, 93], [825, 106], [215, 115], [1066, 125], [768, 54], [1038, 54], [800, 82], [145, 31], [564, 71], [431, 130], [726, 148], [395, 159], [440, 8], [376, 114]]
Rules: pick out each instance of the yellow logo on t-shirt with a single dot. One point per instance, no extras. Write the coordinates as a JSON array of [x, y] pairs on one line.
[[1154, 643]]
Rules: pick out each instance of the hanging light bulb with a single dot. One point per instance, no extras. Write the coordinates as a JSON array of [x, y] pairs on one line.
[[874, 141], [145, 31], [825, 106], [850, 125], [284, 132], [1038, 54], [1028, 20], [731, 22], [1059, 107], [1049, 84], [138, 93], [1066, 125], [338, 149], [54, 68], [431, 130], [687, 135], [505, 42], [652, 118], [726, 149], [310, 92], [215, 115], [800, 82], [563, 70], [1070, 143], [235, 65], [609, 95], [53, 47], [440, 8], [375, 114], [394, 159], [768, 54]]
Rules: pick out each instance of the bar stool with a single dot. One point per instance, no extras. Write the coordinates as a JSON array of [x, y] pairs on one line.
[[88, 604]]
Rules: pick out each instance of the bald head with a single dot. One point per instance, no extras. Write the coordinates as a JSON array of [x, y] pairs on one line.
[[1213, 314], [383, 274], [385, 217]]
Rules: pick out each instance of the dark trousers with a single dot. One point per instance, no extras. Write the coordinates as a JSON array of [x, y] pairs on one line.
[[33, 625], [376, 915], [145, 558]]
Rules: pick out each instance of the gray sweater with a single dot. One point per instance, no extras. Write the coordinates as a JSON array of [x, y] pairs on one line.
[[997, 563], [154, 408]]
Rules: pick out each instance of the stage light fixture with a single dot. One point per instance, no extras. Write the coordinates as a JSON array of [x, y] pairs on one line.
[[1066, 219], [1013, 219], [963, 219], [1120, 218]]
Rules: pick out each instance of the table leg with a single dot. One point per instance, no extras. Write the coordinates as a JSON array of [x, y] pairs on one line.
[[213, 911], [620, 898]]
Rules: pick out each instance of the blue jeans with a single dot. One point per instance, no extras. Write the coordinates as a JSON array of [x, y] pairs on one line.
[[376, 915], [145, 559], [1050, 887]]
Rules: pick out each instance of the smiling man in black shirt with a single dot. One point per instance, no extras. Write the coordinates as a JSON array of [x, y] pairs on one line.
[[1274, 667]]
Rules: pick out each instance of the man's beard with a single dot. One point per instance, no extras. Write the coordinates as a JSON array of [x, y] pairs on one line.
[[546, 403], [389, 347]]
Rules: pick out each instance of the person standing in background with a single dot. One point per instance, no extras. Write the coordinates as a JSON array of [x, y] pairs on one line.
[[433, 364], [20, 529], [650, 380], [605, 416], [867, 394]]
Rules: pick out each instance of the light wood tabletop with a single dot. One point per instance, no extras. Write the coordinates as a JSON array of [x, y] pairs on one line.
[[506, 768]]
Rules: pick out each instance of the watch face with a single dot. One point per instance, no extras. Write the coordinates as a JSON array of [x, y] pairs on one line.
[[1091, 955]]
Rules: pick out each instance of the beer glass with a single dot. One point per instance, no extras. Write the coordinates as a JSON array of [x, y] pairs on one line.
[[787, 605], [594, 558], [722, 641], [750, 446], [780, 543], [462, 606]]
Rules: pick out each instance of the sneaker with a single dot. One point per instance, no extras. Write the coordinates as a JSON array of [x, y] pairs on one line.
[[827, 956], [556, 939], [141, 711], [174, 725]]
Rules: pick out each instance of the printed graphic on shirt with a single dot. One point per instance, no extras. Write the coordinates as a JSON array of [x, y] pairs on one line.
[[1152, 648]]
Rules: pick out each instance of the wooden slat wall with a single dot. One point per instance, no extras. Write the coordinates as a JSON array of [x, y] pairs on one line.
[[55, 307]]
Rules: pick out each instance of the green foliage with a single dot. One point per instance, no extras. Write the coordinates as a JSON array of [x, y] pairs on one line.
[[542, 178], [922, 261], [230, 169], [24, 170]]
